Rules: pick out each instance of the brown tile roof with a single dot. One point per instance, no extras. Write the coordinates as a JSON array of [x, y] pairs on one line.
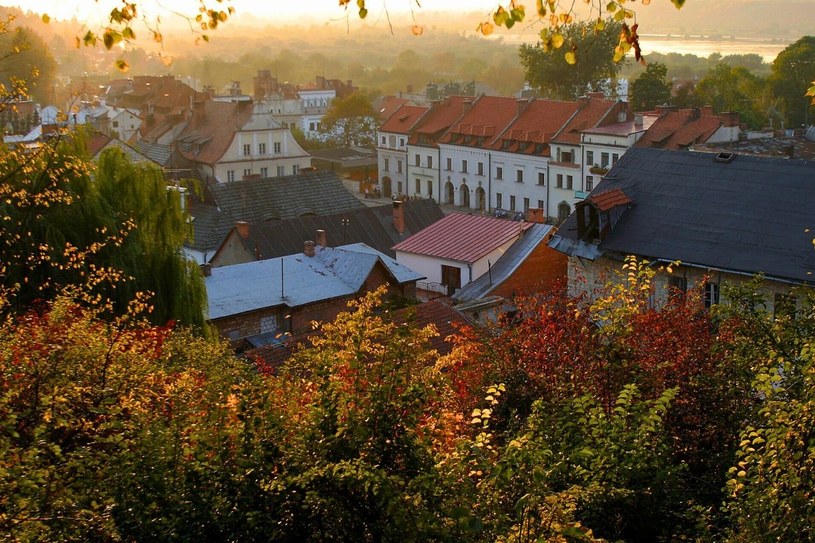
[[448, 322], [213, 127], [163, 94], [609, 198], [680, 129], [538, 123], [488, 117], [403, 120], [461, 237], [593, 112], [97, 142]]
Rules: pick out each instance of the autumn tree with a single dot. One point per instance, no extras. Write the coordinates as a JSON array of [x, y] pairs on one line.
[[350, 120], [651, 88], [729, 88], [588, 66]]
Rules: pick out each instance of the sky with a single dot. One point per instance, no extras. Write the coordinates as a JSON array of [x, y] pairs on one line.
[[95, 12]]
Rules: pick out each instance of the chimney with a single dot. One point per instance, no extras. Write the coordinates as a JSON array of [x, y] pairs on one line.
[[308, 248], [522, 105], [730, 118], [596, 95], [206, 269], [321, 238], [638, 119], [695, 113], [706, 111], [320, 82], [467, 105], [243, 229], [535, 215], [399, 216], [664, 109]]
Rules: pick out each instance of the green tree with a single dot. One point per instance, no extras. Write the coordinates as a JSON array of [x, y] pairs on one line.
[[113, 227], [550, 73], [350, 120], [651, 88], [736, 89], [793, 71], [29, 69]]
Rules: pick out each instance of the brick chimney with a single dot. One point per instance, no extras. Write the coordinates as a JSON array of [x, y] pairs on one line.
[[308, 248], [522, 105], [665, 109], [399, 216], [467, 105], [536, 215], [242, 228], [706, 111], [206, 269], [730, 118], [321, 238]]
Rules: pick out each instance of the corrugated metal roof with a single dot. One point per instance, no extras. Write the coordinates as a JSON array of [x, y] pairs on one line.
[[463, 238], [330, 273], [505, 266], [748, 215]]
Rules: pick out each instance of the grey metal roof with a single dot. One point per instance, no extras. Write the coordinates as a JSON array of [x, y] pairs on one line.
[[517, 253], [370, 225], [155, 151], [254, 200], [312, 193], [330, 273], [748, 215]]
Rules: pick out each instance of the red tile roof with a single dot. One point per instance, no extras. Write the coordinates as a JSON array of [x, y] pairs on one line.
[[447, 321], [403, 119], [488, 117], [609, 198], [593, 112], [461, 237], [97, 142], [440, 117], [538, 123], [680, 128], [388, 106]]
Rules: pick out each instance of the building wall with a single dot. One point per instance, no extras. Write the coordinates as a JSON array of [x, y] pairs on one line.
[[543, 271], [426, 172], [465, 184], [291, 157], [528, 193], [587, 277], [231, 252]]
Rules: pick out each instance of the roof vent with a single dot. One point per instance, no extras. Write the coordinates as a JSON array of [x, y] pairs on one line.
[[724, 157]]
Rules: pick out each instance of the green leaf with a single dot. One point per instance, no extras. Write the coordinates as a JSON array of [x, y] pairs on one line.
[[678, 3]]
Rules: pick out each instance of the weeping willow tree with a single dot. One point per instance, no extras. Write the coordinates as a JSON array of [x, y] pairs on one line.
[[112, 230]]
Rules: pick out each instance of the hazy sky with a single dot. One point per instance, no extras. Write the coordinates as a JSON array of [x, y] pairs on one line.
[[95, 12]]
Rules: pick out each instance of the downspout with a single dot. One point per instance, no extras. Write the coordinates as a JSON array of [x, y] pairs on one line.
[[489, 183]]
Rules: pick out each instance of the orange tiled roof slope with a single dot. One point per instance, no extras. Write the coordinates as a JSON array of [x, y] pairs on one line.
[[403, 120], [487, 117], [594, 111], [438, 119], [677, 129], [539, 121], [461, 237]]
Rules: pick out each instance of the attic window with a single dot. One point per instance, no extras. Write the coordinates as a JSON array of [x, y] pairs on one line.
[[724, 157]]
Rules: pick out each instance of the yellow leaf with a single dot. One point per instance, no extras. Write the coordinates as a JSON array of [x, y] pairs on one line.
[[557, 40], [417, 30], [45, 18], [122, 65], [570, 58]]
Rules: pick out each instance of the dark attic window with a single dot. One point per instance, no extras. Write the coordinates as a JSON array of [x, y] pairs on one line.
[[724, 157]]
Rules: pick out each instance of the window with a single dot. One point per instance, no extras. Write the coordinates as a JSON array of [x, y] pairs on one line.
[[569, 182], [277, 147], [418, 187], [430, 188], [392, 140], [480, 168], [261, 148], [560, 180], [566, 156], [677, 286], [418, 160], [387, 166], [604, 160], [398, 166], [295, 169], [280, 171], [499, 173], [540, 204], [383, 141], [526, 205], [519, 176], [449, 164], [589, 157], [247, 172], [247, 149], [541, 178], [399, 187], [614, 158], [589, 183], [463, 166], [429, 161], [115, 124], [230, 175], [312, 126], [711, 294], [512, 202], [784, 305], [499, 200], [401, 142], [268, 324], [264, 172]]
